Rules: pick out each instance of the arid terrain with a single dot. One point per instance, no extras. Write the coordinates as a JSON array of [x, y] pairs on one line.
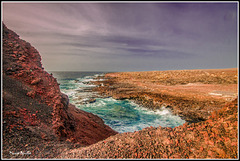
[[206, 99], [192, 94], [215, 138], [40, 123]]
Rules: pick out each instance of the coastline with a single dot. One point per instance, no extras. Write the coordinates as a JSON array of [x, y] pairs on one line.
[[39, 121], [215, 136], [191, 94]]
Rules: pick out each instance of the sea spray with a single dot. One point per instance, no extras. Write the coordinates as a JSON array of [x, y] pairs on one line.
[[120, 115]]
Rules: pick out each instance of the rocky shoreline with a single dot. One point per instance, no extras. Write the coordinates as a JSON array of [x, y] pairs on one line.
[[39, 122], [215, 138], [191, 94], [208, 135]]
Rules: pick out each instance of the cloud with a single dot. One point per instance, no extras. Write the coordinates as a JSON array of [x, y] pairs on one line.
[[139, 32]]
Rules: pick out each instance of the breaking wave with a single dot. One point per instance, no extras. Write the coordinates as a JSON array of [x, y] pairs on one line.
[[120, 115]]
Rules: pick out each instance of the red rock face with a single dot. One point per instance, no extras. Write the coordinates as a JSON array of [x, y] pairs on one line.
[[22, 62], [33, 104]]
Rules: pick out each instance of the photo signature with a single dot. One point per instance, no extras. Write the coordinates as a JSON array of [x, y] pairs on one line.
[[20, 153]]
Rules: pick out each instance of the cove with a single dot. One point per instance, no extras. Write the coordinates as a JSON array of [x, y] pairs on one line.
[[120, 115]]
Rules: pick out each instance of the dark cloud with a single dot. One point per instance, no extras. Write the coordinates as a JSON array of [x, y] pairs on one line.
[[123, 36]]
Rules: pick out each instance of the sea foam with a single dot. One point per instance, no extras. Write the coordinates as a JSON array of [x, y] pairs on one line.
[[121, 115]]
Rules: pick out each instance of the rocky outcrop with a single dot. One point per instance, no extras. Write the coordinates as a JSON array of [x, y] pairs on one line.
[[217, 137], [211, 129], [30, 93], [191, 94], [39, 121]]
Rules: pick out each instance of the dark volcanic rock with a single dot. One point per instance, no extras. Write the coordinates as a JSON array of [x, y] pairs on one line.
[[36, 114]]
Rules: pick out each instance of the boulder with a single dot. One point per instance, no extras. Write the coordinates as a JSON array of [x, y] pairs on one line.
[[64, 99], [92, 100], [36, 81]]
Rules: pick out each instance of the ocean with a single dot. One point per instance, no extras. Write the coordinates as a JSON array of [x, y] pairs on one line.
[[120, 115]]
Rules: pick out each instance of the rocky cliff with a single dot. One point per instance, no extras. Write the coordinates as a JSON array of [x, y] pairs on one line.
[[39, 122], [34, 109], [206, 99]]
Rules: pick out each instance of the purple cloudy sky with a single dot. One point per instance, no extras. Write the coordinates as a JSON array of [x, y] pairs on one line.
[[128, 36]]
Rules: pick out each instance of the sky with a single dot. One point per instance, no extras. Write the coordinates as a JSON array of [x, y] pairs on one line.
[[130, 36]]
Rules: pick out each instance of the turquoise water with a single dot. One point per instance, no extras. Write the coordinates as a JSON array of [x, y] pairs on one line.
[[120, 115]]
